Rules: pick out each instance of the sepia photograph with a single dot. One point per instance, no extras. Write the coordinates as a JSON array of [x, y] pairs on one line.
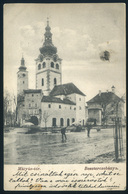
[[64, 85], [64, 95]]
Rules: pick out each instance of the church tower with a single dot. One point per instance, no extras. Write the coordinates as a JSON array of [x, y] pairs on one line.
[[22, 78], [48, 64]]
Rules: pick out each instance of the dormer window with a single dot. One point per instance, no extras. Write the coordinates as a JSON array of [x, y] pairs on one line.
[[52, 64]]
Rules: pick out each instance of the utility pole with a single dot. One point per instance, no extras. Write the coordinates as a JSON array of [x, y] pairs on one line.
[[116, 133]]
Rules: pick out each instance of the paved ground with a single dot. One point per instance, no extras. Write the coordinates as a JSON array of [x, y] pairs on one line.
[[42, 148]]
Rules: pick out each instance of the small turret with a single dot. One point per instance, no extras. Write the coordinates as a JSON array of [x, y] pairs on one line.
[[22, 78], [22, 66]]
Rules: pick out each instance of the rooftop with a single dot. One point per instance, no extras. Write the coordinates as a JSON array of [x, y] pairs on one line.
[[105, 97], [32, 91], [65, 89], [56, 100]]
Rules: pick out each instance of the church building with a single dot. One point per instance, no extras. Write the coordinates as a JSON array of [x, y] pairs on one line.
[[51, 104]]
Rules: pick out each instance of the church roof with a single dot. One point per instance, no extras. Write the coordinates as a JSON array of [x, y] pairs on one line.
[[105, 97], [65, 89], [32, 91], [56, 100]]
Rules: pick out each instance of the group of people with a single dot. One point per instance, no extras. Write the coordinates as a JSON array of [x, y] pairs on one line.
[[88, 127]]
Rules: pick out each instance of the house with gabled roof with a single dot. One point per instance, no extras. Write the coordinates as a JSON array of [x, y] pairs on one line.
[[102, 107]]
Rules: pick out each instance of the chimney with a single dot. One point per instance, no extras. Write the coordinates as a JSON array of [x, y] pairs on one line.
[[107, 91], [113, 89], [99, 92]]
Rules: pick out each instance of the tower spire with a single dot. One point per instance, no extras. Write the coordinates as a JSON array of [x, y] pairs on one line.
[[47, 21], [48, 48], [22, 65]]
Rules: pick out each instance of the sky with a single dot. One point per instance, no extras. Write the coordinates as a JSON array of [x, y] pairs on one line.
[[81, 33]]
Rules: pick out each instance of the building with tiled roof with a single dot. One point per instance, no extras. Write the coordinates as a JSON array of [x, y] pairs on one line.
[[57, 100], [29, 91], [102, 107], [65, 89]]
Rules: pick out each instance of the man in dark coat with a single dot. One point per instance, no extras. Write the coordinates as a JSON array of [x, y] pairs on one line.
[[89, 124], [63, 131]]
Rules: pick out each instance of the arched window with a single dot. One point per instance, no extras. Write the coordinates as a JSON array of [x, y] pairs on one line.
[[44, 64], [57, 66], [68, 122], [61, 122], [73, 120], [55, 81], [52, 64], [42, 82], [39, 66], [54, 122]]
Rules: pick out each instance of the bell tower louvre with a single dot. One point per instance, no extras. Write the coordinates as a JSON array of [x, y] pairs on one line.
[[48, 64]]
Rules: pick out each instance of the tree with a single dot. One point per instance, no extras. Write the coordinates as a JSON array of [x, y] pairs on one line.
[[109, 109], [9, 108], [7, 102], [16, 109], [45, 118]]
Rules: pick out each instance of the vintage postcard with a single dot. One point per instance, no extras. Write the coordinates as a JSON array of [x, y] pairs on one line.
[[64, 97]]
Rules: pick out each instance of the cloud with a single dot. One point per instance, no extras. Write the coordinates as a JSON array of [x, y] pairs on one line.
[[73, 45], [31, 38], [27, 31]]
